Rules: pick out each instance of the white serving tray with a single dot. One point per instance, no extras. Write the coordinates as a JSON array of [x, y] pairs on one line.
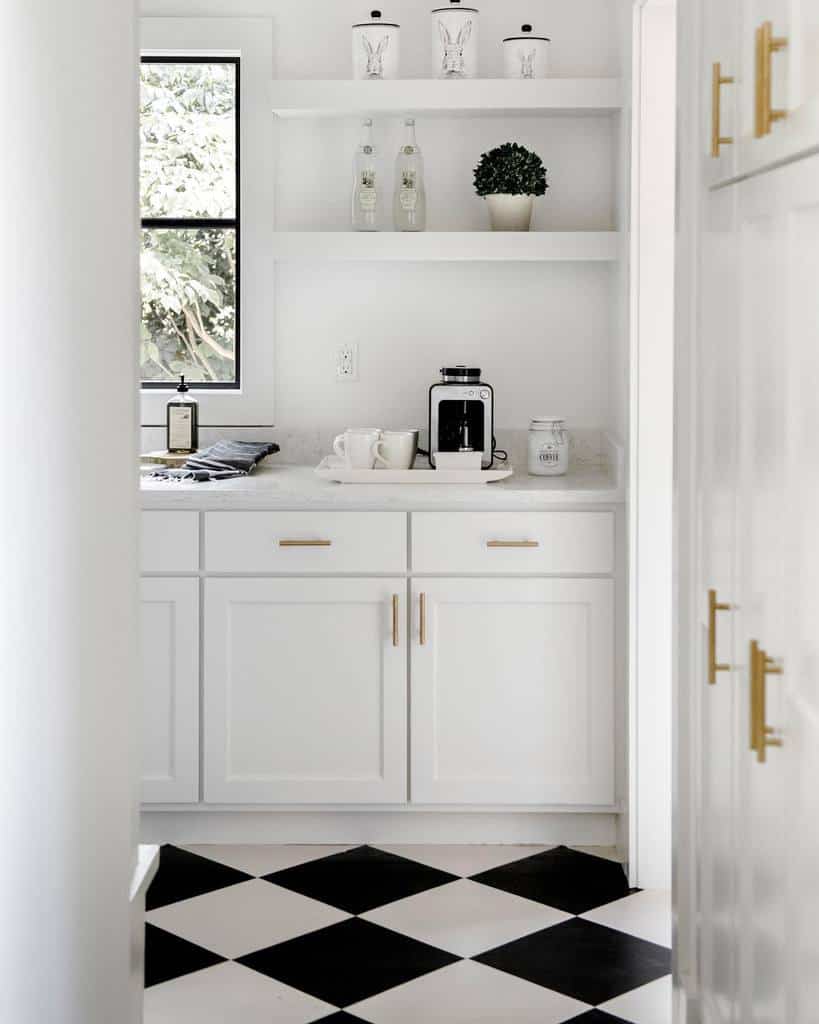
[[333, 468]]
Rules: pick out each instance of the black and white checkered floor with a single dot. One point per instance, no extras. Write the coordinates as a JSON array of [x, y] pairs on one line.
[[400, 935]]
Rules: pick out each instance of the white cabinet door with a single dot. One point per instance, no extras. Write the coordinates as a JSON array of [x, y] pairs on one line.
[[793, 70], [305, 691], [170, 690], [719, 683], [513, 692]]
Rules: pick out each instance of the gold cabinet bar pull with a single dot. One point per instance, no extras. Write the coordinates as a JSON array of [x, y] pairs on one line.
[[513, 543], [422, 608], [717, 81], [761, 666], [305, 543], [395, 620], [714, 666], [767, 44]]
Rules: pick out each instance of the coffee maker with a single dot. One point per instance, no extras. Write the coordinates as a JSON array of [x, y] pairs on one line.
[[462, 415]]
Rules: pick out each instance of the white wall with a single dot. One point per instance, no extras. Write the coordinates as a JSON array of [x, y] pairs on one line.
[[542, 333]]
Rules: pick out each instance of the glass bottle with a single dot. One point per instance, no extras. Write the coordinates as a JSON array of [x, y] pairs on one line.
[[366, 183], [410, 204], [182, 422]]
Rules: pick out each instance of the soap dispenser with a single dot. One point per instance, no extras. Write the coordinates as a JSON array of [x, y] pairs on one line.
[[182, 421]]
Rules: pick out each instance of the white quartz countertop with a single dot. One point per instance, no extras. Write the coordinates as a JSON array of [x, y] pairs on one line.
[[278, 486]]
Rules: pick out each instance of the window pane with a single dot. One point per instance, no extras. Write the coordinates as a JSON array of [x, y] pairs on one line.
[[189, 304], [188, 140]]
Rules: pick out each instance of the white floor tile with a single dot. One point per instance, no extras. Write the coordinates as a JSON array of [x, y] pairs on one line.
[[464, 860], [644, 914], [264, 860], [465, 918], [650, 1004], [245, 917], [230, 993], [468, 993]]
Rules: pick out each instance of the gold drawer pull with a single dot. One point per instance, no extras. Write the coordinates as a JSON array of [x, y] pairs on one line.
[[767, 44], [395, 620], [422, 605], [305, 543], [513, 543], [717, 81], [714, 666], [761, 733]]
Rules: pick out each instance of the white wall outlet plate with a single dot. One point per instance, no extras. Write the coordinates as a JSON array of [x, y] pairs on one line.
[[347, 363]]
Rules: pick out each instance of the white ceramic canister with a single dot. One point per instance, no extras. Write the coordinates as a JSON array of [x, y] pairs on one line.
[[376, 49], [455, 41], [548, 446], [525, 55]]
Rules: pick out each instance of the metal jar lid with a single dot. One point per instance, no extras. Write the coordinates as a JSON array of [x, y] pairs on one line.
[[526, 30], [376, 23]]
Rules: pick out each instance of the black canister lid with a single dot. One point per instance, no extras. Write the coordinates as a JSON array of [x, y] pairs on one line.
[[376, 20], [527, 34]]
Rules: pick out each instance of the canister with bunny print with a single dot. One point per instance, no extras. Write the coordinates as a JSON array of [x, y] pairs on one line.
[[526, 55], [455, 41], [376, 49]]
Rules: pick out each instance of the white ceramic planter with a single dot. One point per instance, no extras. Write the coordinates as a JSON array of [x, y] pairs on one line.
[[376, 49], [510, 213]]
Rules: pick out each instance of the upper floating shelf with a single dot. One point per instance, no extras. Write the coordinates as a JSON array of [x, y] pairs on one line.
[[470, 97]]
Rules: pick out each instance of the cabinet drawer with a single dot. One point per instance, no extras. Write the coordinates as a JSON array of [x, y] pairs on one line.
[[513, 542], [170, 542], [305, 542]]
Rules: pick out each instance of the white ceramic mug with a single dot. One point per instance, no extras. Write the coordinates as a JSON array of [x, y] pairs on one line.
[[356, 446], [396, 449]]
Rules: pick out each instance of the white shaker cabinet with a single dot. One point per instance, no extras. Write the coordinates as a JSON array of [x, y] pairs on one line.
[[305, 691], [513, 691], [170, 690]]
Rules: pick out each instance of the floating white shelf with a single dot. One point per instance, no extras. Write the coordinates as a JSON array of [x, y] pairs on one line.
[[470, 98], [526, 247]]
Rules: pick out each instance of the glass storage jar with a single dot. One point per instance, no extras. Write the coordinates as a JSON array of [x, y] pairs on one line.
[[548, 446]]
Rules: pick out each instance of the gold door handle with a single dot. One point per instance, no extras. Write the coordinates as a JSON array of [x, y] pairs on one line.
[[395, 620], [305, 543], [513, 543], [761, 667], [714, 666], [717, 81], [422, 611], [767, 44]]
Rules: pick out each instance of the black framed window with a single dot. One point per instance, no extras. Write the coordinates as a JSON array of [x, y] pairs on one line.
[[189, 196]]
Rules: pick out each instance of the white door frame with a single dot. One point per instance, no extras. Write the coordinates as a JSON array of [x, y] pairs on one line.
[[653, 177]]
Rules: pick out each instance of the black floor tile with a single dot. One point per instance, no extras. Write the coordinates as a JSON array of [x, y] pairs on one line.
[[182, 875], [167, 956], [360, 880], [340, 1018], [583, 960], [596, 1017], [565, 879], [348, 961]]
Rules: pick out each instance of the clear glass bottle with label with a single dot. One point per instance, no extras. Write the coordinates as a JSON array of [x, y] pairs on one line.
[[366, 183], [548, 446], [182, 422], [410, 203]]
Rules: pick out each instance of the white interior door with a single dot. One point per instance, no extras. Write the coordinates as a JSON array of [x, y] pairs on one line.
[[305, 691], [170, 690], [512, 692]]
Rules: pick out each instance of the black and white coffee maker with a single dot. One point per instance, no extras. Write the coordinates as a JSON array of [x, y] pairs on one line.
[[462, 414]]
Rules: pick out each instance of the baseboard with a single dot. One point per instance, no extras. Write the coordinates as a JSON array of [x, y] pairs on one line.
[[376, 827]]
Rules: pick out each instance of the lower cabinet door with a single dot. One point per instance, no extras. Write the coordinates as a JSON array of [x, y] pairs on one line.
[[305, 691], [513, 691], [170, 690]]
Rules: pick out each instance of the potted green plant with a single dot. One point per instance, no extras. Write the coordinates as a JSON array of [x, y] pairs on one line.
[[509, 177]]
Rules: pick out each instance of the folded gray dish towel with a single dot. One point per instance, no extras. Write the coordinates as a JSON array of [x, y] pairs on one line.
[[221, 461]]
